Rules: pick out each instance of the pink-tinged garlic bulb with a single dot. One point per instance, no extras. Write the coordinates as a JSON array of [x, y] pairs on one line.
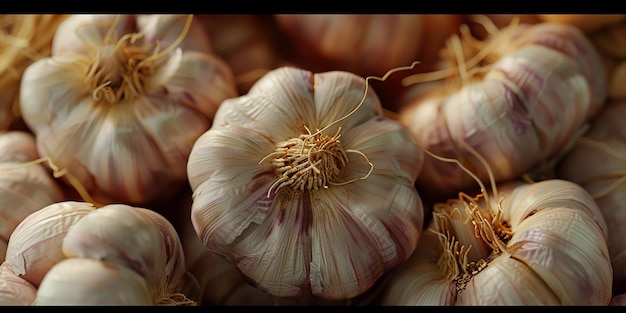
[[141, 240], [598, 163], [24, 188], [122, 99], [15, 290], [518, 97], [306, 186], [24, 38], [534, 244]]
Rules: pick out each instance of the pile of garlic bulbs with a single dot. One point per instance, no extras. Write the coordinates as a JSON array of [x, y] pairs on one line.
[[311, 160]]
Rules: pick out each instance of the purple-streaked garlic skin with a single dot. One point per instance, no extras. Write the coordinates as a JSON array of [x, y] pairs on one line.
[[544, 82], [332, 241]]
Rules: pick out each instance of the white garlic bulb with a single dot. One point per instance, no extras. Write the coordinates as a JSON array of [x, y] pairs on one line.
[[122, 99], [536, 244], [306, 186]]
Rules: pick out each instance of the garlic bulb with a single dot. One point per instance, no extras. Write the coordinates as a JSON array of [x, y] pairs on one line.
[[598, 163], [367, 44], [538, 244], [518, 98], [122, 99], [306, 186], [24, 188]]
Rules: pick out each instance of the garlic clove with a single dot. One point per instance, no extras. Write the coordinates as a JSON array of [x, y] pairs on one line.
[[35, 244], [77, 281], [137, 238], [15, 290]]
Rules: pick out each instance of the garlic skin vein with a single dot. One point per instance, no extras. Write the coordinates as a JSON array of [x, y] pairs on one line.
[[321, 237], [121, 100]]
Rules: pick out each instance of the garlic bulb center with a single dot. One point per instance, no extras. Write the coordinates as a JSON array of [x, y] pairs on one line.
[[310, 161], [117, 72], [471, 236]]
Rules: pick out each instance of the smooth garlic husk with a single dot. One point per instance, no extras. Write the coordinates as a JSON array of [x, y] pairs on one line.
[[293, 229], [518, 98], [543, 243], [77, 281], [122, 99], [24, 188], [598, 163]]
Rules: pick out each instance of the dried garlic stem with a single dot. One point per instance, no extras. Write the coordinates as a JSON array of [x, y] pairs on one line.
[[313, 160]]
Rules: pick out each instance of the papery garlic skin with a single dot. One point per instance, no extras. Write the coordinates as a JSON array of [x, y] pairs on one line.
[[557, 254], [24, 188], [332, 241], [35, 244], [539, 85], [15, 290], [125, 136], [77, 281]]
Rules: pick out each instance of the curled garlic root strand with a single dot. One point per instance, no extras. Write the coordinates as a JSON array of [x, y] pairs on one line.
[[177, 299], [117, 71], [483, 54], [303, 165]]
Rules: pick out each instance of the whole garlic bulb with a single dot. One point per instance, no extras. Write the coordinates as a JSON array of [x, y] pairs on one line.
[[518, 98], [24, 188], [306, 186], [538, 244], [122, 99]]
